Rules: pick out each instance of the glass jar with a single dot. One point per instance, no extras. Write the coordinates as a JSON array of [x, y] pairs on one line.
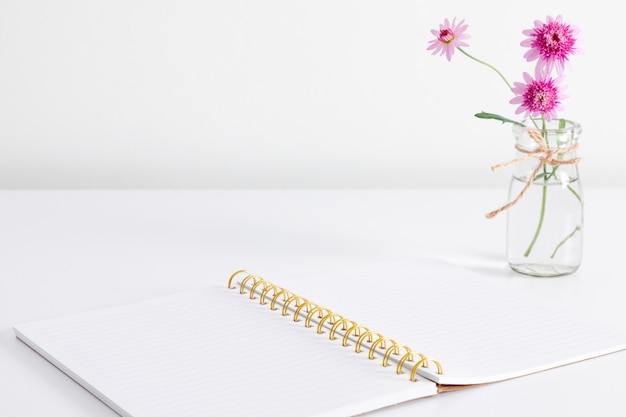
[[545, 224]]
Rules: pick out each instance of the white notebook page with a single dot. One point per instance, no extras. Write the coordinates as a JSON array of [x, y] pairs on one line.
[[476, 327], [214, 352]]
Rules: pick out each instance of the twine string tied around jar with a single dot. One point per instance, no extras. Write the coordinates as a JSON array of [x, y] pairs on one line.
[[544, 154]]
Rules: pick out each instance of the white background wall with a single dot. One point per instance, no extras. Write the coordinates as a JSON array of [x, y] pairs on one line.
[[284, 93]]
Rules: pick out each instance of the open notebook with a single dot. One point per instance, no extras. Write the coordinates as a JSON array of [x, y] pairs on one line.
[[335, 344]]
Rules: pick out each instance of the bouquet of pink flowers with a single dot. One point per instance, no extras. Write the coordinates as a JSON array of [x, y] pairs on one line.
[[551, 45], [539, 100]]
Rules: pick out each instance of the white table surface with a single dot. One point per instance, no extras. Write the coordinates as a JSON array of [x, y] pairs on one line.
[[70, 251]]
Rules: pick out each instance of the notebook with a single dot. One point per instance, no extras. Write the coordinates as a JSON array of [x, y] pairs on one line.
[[334, 344]]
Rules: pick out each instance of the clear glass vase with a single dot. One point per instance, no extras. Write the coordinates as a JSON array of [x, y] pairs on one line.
[[545, 224]]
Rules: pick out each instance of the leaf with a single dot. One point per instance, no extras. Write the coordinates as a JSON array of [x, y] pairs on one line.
[[483, 115]]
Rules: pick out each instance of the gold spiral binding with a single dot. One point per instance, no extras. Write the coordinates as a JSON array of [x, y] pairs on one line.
[[369, 335], [230, 280], [342, 322], [320, 313], [407, 356], [308, 305], [242, 287], [357, 328], [424, 363], [331, 317], [286, 294], [267, 289], [383, 345], [288, 301], [336, 321], [254, 287], [395, 350]]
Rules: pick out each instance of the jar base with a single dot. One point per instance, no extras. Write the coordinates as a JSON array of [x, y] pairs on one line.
[[543, 270]]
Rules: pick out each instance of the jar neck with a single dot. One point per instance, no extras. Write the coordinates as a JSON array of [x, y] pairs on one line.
[[558, 134]]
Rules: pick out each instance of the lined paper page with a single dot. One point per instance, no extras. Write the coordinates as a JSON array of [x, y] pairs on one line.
[[214, 352], [479, 330]]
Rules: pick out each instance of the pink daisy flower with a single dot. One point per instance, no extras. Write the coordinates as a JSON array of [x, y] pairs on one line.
[[448, 38], [538, 97], [551, 43]]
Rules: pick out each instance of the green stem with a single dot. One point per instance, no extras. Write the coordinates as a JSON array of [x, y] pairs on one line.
[[544, 195], [576, 229], [542, 214], [546, 177], [569, 187], [488, 65], [508, 84], [568, 237]]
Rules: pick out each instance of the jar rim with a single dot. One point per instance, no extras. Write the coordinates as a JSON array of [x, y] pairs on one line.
[[551, 126]]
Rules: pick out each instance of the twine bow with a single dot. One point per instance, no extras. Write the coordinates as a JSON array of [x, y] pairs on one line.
[[544, 154]]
